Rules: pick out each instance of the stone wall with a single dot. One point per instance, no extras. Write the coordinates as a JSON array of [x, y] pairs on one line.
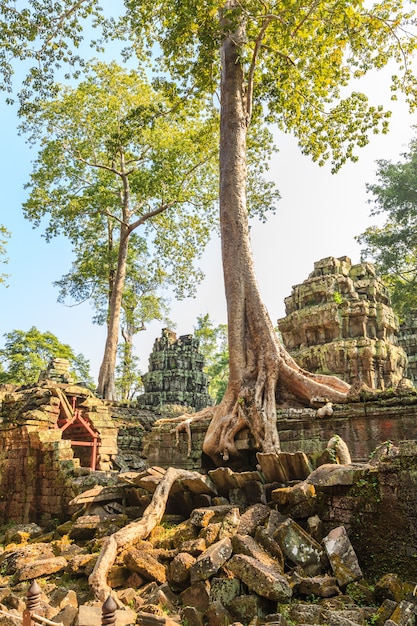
[[339, 321], [175, 374], [379, 513], [38, 462], [362, 425]]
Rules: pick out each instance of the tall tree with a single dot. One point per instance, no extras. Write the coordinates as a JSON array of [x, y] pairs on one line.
[[393, 246], [26, 353], [291, 61], [116, 156]]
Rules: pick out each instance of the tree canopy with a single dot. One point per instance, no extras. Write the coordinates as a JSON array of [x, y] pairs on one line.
[[392, 246], [4, 234], [26, 353]]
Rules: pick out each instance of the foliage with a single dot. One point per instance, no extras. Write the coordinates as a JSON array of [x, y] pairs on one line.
[[169, 157], [213, 346], [4, 234], [297, 59], [393, 246], [26, 353]]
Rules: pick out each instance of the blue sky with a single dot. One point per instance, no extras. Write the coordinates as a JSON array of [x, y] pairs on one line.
[[318, 216]]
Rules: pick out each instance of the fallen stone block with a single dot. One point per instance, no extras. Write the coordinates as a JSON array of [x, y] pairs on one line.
[[145, 564], [342, 557], [40, 568], [210, 561], [300, 548], [264, 580]]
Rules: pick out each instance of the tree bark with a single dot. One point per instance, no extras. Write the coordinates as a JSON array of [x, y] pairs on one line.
[[130, 534], [106, 383], [259, 366]]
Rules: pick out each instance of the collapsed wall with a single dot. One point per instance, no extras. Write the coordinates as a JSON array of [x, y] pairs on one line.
[[47, 433]]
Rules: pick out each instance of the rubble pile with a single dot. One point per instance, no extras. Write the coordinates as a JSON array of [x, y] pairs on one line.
[[238, 548]]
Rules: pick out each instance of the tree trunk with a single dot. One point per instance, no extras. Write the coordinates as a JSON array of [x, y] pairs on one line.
[[130, 534], [106, 384], [259, 367]]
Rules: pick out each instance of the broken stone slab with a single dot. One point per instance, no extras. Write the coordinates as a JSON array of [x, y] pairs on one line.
[[302, 613], [245, 544], [252, 518], [200, 485], [190, 615], [43, 567], [197, 595], [210, 561], [262, 579], [284, 466], [217, 615], [300, 548], [336, 618], [226, 479], [342, 557], [230, 524], [249, 606], [404, 614], [319, 586], [331, 474], [99, 493], [179, 570], [269, 544], [142, 562], [225, 590], [298, 500], [204, 516]]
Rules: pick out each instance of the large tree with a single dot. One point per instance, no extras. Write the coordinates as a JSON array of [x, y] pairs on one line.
[[393, 245], [26, 353], [117, 155], [293, 63]]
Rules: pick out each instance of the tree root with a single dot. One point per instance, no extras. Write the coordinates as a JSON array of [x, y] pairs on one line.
[[133, 532]]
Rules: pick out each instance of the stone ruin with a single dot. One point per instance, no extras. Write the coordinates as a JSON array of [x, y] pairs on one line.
[[340, 321], [175, 375], [407, 339], [48, 434]]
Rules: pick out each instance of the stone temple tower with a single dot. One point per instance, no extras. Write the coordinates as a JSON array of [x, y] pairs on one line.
[[175, 374], [340, 321]]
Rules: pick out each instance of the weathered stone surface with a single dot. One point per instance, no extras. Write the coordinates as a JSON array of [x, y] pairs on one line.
[[230, 524], [340, 321], [342, 557], [179, 569], [210, 561], [204, 516], [197, 595], [245, 544], [298, 499], [405, 614], [190, 615], [284, 466], [264, 580], [299, 547], [224, 590], [331, 474], [43, 567], [142, 562], [175, 375], [247, 607], [301, 613], [217, 615], [252, 518], [319, 586], [267, 542], [389, 587]]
